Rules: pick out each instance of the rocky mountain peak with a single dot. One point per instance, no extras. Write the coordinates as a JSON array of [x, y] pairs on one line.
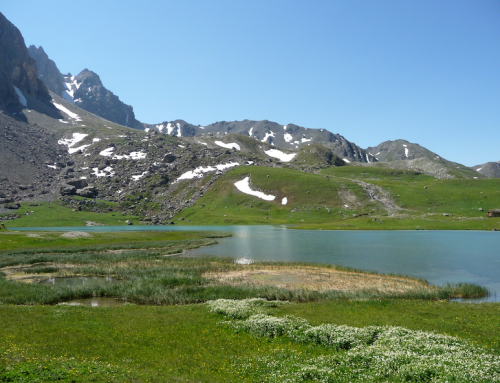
[[19, 69], [47, 70]]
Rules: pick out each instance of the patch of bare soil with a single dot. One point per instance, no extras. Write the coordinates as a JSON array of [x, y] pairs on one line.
[[76, 234], [315, 278]]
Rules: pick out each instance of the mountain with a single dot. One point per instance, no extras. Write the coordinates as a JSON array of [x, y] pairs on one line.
[[87, 91], [92, 96], [402, 154], [281, 136], [489, 169], [47, 70], [19, 83]]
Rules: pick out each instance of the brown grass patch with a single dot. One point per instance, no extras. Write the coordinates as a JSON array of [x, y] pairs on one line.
[[315, 278], [21, 273]]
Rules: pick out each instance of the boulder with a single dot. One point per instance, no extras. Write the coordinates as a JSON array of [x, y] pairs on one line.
[[88, 192], [169, 158], [78, 184], [67, 190], [493, 213], [128, 222], [12, 206]]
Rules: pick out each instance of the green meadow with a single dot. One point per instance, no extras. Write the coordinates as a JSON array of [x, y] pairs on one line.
[[167, 333]]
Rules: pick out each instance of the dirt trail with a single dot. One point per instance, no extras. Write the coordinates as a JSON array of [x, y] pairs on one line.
[[376, 193]]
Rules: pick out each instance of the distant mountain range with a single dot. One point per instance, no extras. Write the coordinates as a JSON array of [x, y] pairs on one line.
[[27, 77]]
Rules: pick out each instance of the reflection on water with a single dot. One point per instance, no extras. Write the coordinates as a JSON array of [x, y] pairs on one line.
[[96, 302], [80, 281]]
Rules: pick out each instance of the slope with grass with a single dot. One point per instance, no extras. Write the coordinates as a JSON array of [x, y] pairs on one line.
[[348, 197], [309, 198]]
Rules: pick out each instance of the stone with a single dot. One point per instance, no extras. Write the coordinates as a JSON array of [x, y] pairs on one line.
[[493, 213], [88, 192], [128, 222], [67, 190], [78, 184], [12, 206]]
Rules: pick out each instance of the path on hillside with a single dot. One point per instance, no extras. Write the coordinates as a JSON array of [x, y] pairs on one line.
[[378, 194]]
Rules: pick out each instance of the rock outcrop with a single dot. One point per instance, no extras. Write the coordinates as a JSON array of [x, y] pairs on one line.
[[18, 68], [47, 70]]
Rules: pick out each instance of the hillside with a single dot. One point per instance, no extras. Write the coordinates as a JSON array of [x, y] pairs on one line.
[[489, 169]]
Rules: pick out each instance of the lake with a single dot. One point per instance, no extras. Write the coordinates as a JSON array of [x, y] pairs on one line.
[[437, 256]]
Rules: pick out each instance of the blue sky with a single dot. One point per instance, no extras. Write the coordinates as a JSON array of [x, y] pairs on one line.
[[424, 71]]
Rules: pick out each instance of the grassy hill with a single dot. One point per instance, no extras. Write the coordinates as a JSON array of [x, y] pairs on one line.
[[335, 198]]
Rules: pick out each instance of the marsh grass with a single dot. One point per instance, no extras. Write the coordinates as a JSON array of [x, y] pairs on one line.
[[162, 277]]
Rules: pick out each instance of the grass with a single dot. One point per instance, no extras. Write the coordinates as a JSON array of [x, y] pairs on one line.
[[311, 197], [54, 214], [318, 201], [186, 343], [165, 342]]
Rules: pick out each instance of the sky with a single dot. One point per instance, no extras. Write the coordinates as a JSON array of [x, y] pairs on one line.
[[427, 71]]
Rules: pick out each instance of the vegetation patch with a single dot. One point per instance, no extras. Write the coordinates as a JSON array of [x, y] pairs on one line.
[[369, 354]]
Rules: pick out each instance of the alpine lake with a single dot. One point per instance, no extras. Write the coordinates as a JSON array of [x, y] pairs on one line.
[[438, 256]]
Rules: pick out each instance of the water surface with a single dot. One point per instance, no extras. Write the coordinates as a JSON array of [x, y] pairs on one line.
[[437, 256]]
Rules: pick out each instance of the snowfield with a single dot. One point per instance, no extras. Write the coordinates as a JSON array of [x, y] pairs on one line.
[[280, 155], [70, 142], [198, 172], [70, 114], [228, 146], [244, 187]]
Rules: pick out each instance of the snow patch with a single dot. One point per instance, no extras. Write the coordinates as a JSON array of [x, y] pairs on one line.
[[181, 146], [406, 152], [138, 177], [250, 131], [70, 142], [478, 170], [133, 156], [346, 160], [106, 172], [146, 129], [244, 187], [179, 133], [107, 152], [280, 155], [288, 137], [22, 99], [96, 139], [70, 114], [367, 159], [284, 127], [198, 172], [284, 201], [270, 134], [228, 146], [304, 139], [52, 166]]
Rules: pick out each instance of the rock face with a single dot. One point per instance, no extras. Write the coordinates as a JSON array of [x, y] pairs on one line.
[[47, 70], [281, 136], [489, 169], [87, 91], [18, 69]]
